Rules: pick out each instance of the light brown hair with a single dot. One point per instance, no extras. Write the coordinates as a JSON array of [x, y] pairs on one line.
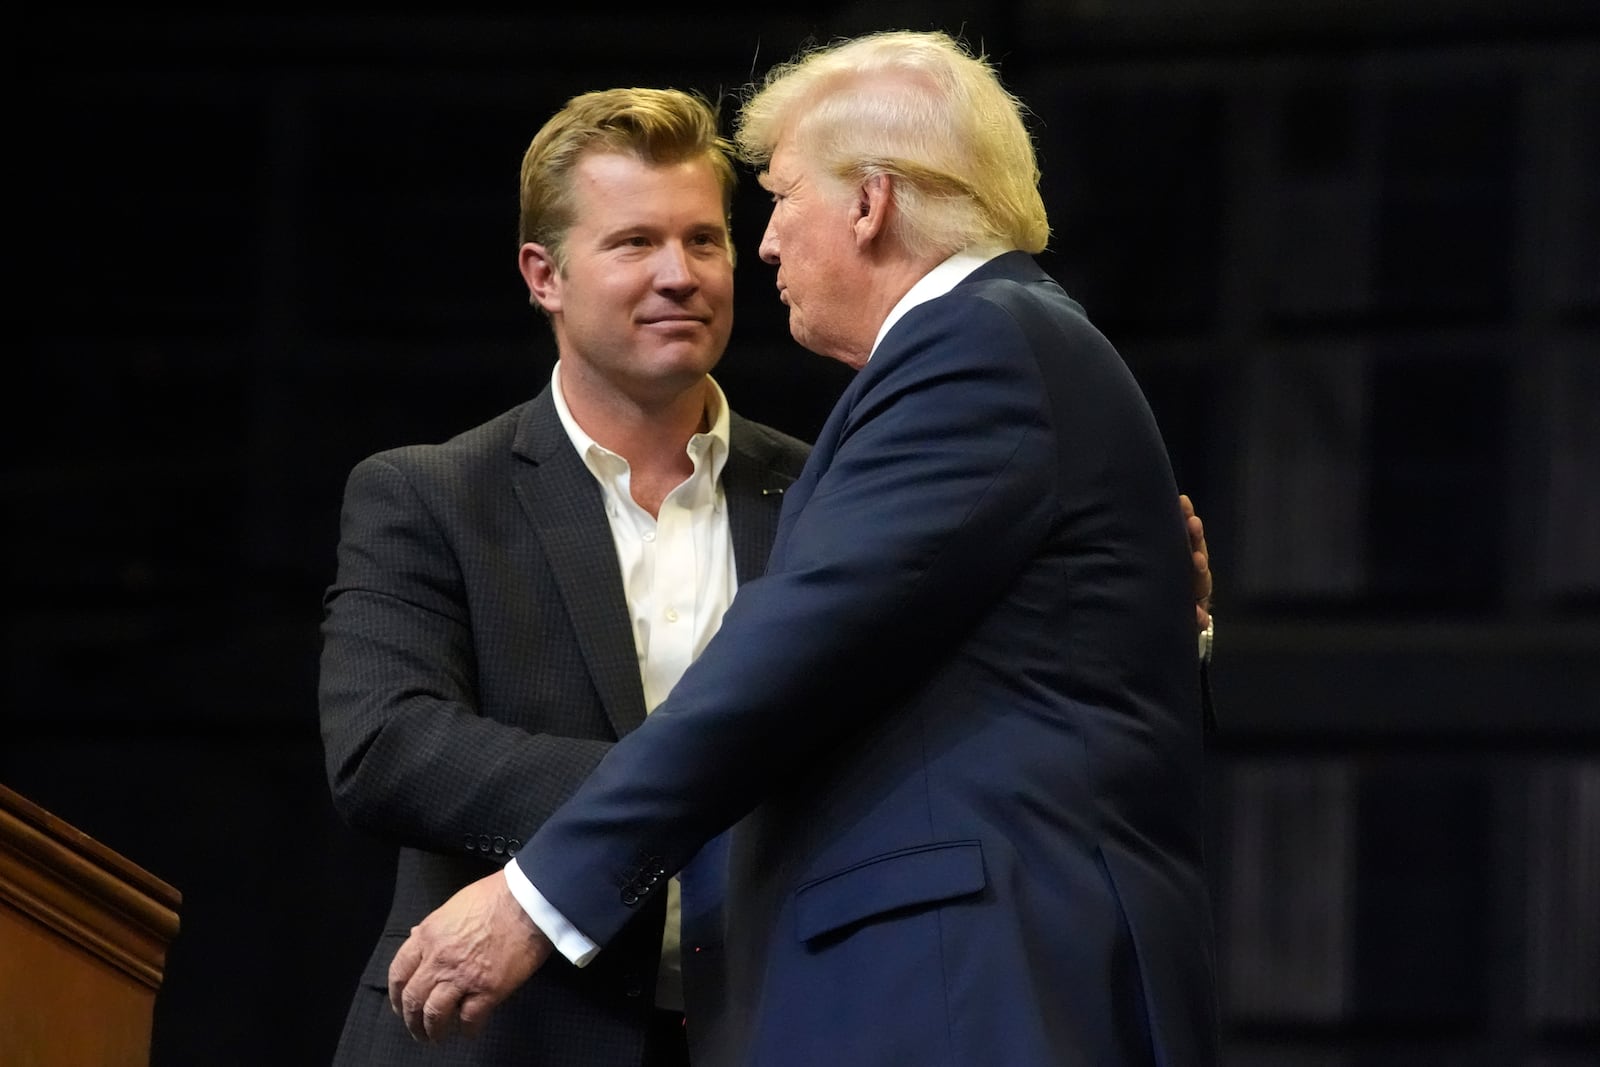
[[657, 126]]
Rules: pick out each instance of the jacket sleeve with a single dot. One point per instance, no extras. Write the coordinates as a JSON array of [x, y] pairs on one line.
[[410, 755], [932, 497]]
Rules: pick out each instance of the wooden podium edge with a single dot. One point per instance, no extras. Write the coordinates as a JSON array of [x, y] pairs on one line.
[[84, 891]]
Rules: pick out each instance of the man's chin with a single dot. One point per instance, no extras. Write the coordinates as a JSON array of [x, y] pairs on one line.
[[805, 338], [826, 347], [689, 361]]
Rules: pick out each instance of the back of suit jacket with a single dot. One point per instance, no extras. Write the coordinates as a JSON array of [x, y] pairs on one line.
[[963, 704], [478, 661]]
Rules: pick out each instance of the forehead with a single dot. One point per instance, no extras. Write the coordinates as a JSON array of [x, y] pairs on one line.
[[783, 167], [618, 182]]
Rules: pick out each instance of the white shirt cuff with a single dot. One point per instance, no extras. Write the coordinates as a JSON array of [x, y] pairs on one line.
[[568, 941]]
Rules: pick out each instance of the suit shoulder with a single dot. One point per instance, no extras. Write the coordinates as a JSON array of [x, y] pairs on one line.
[[1039, 311], [487, 441], [493, 435], [1042, 293], [777, 448]]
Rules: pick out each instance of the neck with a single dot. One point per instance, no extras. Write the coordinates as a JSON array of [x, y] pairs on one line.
[[651, 433], [886, 281]]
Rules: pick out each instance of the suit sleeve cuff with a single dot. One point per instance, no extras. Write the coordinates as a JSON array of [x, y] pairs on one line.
[[566, 937]]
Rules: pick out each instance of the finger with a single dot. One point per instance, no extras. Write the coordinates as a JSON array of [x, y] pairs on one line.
[[475, 1011], [1186, 504], [417, 993], [420, 1004], [401, 968], [412, 1001], [439, 1011]]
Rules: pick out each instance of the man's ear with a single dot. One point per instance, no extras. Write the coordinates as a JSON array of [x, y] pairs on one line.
[[539, 270], [870, 214]]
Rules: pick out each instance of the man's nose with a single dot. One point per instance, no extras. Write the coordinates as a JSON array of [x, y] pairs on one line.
[[769, 245], [672, 268]]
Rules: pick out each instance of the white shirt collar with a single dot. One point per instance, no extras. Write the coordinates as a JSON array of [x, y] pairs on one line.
[[714, 439], [937, 282]]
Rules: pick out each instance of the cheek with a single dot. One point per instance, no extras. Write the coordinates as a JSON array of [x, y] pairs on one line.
[[717, 283]]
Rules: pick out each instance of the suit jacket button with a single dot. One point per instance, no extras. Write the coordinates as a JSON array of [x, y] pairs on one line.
[[483, 843], [630, 895], [499, 845], [470, 842], [513, 845]]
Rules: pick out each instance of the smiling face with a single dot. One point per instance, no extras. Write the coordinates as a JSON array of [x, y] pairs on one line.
[[643, 302], [810, 238]]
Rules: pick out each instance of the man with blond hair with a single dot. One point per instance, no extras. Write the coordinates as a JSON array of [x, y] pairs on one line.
[[958, 715], [512, 601]]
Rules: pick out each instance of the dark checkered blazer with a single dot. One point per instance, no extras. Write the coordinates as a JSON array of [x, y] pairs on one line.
[[477, 662]]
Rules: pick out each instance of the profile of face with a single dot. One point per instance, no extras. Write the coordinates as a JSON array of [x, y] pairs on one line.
[[810, 238], [644, 304]]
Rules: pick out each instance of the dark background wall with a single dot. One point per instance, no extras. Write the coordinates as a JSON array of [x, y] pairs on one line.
[[1352, 250]]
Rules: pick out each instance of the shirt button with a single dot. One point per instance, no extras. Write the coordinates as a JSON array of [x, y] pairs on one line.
[[649, 535], [672, 614]]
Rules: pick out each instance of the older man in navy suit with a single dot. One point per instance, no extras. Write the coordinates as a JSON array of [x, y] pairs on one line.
[[960, 708]]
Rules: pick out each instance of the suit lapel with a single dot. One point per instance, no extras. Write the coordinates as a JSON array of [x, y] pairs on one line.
[[564, 505], [754, 491]]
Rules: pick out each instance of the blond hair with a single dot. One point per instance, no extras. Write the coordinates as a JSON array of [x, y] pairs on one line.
[[922, 109], [657, 126]]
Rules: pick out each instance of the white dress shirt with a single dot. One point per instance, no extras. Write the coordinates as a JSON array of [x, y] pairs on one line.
[[679, 577]]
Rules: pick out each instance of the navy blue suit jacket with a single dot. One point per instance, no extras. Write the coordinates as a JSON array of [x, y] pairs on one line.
[[961, 711]]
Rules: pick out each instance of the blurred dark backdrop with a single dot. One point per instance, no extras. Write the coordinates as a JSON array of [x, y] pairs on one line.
[[1352, 250]]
